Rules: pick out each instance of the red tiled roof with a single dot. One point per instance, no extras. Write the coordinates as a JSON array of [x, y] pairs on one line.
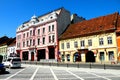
[[92, 26], [118, 24], [13, 42]]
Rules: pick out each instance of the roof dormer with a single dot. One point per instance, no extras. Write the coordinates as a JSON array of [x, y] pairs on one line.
[[34, 20]]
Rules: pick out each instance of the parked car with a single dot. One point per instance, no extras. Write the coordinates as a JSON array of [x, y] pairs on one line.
[[2, 67], [12, 62]]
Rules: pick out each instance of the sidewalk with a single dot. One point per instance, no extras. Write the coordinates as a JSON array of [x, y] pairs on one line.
[[76, 65]]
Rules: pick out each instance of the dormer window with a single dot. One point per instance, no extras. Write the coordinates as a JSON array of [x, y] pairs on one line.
[[41, 19], [51, 17], [34, 20], [23, 26]]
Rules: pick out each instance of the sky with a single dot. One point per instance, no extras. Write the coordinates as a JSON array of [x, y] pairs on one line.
[[15, 12]]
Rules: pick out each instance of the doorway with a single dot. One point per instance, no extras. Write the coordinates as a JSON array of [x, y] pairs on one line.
[[32, 56], [41, 54], [77, 57], [90, 56], [51, 53], [102, 57], [25, 55]]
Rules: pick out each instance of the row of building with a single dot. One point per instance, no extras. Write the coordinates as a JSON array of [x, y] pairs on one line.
[[7, 47], [38, 38], [94, 40], [58, 36]]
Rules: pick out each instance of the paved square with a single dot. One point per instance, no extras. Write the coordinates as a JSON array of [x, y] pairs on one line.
[[36, 72]]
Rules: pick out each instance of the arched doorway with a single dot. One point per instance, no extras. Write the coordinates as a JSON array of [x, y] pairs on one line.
[[90, 56], [32, 56], [76, 57]]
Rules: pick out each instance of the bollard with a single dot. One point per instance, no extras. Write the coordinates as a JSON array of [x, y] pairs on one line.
[[104, 66], [67, 64], [90, 66], [42, 63], [57, 64], [50, 64], [78, 65]]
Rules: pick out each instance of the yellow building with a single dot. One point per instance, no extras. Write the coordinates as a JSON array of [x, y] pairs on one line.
[[4, 42], [90, 40]]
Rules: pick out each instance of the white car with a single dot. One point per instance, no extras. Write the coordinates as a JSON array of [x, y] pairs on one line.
[[13, 62]]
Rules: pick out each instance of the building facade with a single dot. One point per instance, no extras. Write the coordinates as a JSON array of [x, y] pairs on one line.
[[37, 39], [11, 49], [4, 43], [118, 37], [92, 40]]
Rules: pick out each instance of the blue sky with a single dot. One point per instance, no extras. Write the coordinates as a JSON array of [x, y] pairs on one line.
[[14, 12]]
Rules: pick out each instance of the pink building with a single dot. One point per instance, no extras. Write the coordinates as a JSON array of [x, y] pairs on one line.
[[37, 39]]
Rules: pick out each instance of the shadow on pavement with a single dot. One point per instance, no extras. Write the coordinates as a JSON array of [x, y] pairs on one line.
[[17, 67], [3, 73]]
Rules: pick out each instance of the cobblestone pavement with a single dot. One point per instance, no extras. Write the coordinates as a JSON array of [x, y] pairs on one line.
[[34, 72]]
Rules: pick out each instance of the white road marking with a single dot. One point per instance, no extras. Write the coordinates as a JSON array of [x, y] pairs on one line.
[[14, 74], [99, 76], [75, 75], [32, 77], [55, 77]]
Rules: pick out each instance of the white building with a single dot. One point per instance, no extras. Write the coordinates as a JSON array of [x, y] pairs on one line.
[[11, 50]]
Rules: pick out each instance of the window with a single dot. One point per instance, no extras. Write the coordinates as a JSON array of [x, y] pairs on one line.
[[38, 41], [27, 34], [49, 39], [43, 40], [63, 57], [23, 44], [30, 32], [43, 30], [30, 42], [89, 42], [76, 44], [18, 45], [38, 31], [53, 38], [49, 28], [101, 41], [24, 35], [109, 39], [19, 37], [102, 57], [33, 42], [68, 45], [68, 57], [82, 43], [33, 32], [41, 19], [27, 43], [62, 46], [111, 55], [52, 27]]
